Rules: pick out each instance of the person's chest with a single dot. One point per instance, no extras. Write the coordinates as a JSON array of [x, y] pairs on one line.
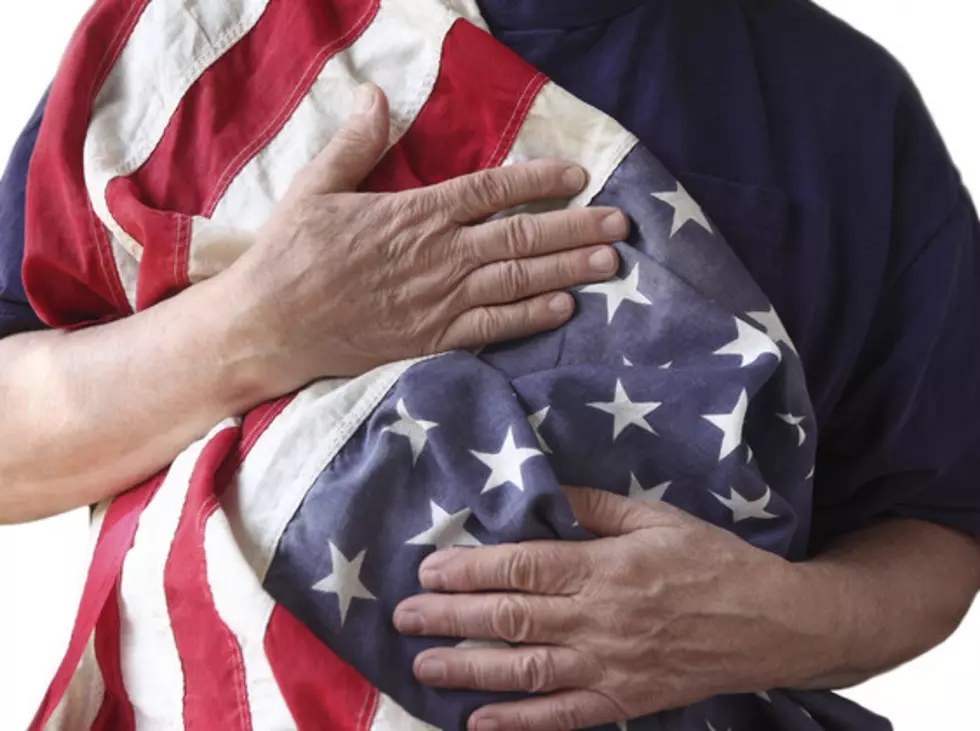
[[749, 142]]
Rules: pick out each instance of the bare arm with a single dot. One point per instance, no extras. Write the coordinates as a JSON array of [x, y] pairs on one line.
[[336, 284], [883, 596], [95, 411]]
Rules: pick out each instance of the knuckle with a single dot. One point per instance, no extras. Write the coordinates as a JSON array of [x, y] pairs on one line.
[[571, 268], [488, 325], [493, 189], [411, 207], [354, 133], [536, 672], [399, 216], [521, 570], [461, 255], [523, 235], [511, 620], [515, 281], [566, 719]]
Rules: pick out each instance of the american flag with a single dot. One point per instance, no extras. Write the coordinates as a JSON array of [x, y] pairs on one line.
[[251, 585]]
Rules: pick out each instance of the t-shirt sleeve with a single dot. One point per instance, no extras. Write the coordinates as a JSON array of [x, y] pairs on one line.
[[16, 314], [905, 439]]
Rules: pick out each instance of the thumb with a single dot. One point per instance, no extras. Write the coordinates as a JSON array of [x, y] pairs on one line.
[[355, 149], [608, 515]]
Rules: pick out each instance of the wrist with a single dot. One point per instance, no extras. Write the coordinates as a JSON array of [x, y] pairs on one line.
[[251, 361], [823, 621]]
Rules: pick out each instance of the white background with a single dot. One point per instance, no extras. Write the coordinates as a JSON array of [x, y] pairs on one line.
[[42, 566]]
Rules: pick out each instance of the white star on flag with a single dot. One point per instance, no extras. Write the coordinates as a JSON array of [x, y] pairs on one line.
[[813, 471], [622, 725], [764, 696], [344, 581], [667, 366], [685, 209], [536, 420], [750, 344], [748, 454], [618, 291], [505, 465], [731, 426], [743, 509], [627, 362], [773, 326], [446, 531], [796, 421], [626, 412], [415, 430], [653, 494]]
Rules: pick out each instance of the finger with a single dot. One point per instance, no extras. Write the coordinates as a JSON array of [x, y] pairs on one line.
[[608, 515], [565, 710], [354, 150], [527, 669], [526, 235], [480, 195], [513, 618], [511, 281], [484, 325], [542, 567]]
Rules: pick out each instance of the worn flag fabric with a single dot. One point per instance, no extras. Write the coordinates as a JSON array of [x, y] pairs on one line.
[[251, 585]]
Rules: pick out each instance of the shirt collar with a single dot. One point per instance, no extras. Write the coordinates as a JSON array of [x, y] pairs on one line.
[[539, 14]]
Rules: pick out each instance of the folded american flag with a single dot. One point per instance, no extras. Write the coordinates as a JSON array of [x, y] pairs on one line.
[[252, 585]]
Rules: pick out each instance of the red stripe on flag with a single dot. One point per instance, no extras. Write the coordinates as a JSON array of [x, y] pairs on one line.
[[115, 540], [230, 114], [69, 271], [321, 691], [477, 107], [116, 713], [215, 695]]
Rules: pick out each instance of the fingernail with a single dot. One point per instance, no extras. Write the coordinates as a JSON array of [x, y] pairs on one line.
[[431, 671], [432, 579], [616, 225], [561, 304], [574, 178], [409, 623], [603, 261], [485, 724], [437, 559], [364, 99]]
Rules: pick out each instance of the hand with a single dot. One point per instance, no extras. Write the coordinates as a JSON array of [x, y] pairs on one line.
[[341, 282], [662, 611]]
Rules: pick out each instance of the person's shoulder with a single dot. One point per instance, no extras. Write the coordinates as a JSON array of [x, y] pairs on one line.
[[822, 49], [859, 103]]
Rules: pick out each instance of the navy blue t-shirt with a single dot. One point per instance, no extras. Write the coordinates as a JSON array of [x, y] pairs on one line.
[[811, 149]]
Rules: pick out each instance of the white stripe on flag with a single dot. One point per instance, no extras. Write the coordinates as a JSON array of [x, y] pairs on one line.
[[400, 52], [559, 125], [392, 717], [245, 608], [172, 44], [151, 667], [286, 460], [79, 706]]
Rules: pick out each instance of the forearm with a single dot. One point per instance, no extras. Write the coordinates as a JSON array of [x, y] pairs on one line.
[[881, 597], [90, 413]]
